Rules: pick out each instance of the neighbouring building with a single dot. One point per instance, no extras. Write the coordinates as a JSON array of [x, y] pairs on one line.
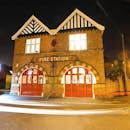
[[64, 62], [5, 76]]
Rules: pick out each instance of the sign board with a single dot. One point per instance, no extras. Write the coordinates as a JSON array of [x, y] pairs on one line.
[[55, 58]]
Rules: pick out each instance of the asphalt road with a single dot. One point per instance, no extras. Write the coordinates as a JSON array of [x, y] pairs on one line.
[[13, 121], [18, 113]]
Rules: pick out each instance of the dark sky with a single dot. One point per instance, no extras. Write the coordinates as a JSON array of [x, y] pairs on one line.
[[115, 18]]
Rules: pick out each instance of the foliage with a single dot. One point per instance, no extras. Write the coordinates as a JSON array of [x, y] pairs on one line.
[[113, 69]]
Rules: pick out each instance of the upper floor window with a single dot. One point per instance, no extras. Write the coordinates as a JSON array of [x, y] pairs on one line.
[[77, 42], [32, 45]]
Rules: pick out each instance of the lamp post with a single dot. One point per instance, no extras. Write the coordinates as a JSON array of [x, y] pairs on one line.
[[122, 44], [124, 62]]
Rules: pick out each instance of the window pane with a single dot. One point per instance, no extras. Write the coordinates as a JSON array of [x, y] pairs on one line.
[[82, 71], [28, 41], [40, 79], [33, 41], [68, 79], [24, 79], [35, 71], [27, 49], [88, 79], [83, 36], [74, 79], [33, 45], [33, 48], [71, 46], [77, 42], [81, 79], [34, 79], [71, 37], [69, 72], [29, 72], [37, 40], [29, 79], [37, 48], [74, 71]]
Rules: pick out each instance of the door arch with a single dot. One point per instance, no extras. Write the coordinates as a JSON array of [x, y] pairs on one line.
[[78, 82], [32, 82]]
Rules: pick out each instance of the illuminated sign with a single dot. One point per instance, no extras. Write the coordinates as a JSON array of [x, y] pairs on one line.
[[56, 58]]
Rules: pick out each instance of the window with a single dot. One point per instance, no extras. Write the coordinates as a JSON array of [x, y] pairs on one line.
[[68, 79], [81, 79], [74, 70], [32, 45], [24, 79], [29, 79], [88, 79], [40, 79], [34, 79], [74, 79], [77, 42]]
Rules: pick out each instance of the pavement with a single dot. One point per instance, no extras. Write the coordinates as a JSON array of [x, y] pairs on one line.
[[64, 103]]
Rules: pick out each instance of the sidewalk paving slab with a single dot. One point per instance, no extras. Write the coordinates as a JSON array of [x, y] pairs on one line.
[[64, 103]]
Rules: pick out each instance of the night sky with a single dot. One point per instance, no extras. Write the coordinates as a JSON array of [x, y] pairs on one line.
[[113, 14]]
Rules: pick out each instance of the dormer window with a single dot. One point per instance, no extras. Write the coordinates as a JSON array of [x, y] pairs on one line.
[[77, 42], [32, 45]]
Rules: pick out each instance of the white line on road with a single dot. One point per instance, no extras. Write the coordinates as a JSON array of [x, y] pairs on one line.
[[61, 112]]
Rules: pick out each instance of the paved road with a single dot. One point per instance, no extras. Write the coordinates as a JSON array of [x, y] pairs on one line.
[[12, 121], [88, 114], [59, 103]]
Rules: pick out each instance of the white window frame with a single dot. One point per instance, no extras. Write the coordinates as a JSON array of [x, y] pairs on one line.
[[77, 42], [32, 45]]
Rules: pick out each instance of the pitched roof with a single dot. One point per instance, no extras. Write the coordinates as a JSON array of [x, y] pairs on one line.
[[78, 19], [32, 25], [75, 20]]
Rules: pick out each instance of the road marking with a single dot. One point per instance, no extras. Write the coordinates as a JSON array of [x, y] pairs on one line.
[[61, 112]]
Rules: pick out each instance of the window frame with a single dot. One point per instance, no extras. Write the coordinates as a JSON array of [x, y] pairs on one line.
[[31, 45], [79, 43]]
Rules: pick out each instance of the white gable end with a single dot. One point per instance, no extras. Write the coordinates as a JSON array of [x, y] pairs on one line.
[[33, 25], [77, 19], [77, 22]]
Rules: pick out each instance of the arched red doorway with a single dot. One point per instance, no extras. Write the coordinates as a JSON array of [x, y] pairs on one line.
[[78, 82], [32, 82]]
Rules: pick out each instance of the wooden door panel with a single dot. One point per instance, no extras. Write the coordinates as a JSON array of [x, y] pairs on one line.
[[30, 84]]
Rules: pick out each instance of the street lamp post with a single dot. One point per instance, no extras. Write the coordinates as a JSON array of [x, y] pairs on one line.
[[122, 43], [124, 62]]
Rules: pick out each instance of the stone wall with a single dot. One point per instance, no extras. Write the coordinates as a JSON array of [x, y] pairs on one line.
[[115, 88]]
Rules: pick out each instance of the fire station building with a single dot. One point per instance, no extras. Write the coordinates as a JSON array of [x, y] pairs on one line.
[[64, 62]]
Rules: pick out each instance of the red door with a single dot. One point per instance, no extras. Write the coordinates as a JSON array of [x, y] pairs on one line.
[[32, 82], [78, 82]]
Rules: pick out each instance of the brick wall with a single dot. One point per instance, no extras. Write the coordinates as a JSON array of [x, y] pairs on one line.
[[93, 56]]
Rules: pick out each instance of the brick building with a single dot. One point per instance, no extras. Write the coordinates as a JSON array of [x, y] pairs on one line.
[[64, 62]]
